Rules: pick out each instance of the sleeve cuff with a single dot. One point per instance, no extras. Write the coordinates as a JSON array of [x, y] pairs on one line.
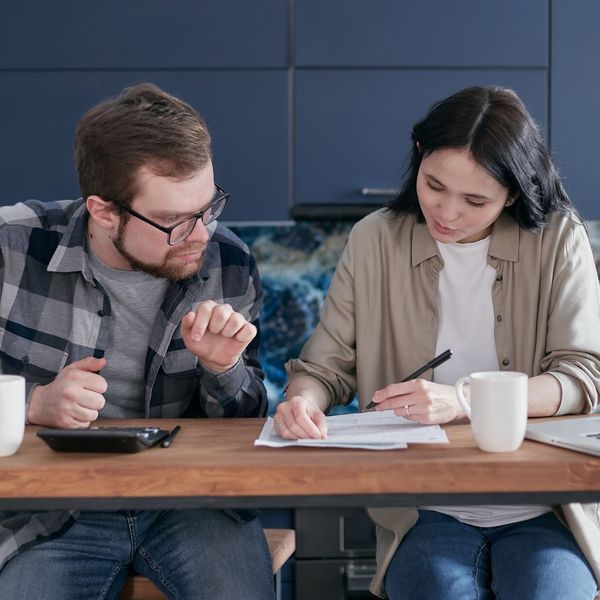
[[572, 400], [226, 384], [29, 387]]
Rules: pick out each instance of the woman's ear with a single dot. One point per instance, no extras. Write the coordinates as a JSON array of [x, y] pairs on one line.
[[102, 212], [512, 199], [418, 145]]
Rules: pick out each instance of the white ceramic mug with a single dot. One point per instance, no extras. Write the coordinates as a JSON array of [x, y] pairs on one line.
[[12, 413], [498, 410]]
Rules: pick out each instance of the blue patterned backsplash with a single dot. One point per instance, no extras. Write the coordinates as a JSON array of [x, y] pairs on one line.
[[296, 262]]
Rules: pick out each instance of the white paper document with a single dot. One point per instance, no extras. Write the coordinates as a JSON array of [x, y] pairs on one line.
[[371, 430]]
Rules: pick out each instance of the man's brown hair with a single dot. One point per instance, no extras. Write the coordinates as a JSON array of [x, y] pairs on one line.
[[143, 126]]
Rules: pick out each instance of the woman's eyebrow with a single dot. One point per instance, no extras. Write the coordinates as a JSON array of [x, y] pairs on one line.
[[477, 196], [434, 179]]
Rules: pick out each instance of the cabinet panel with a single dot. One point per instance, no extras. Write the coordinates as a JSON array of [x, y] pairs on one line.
[[352, 127], [425, 33], [575, 93], [246, 112], [143, 34]]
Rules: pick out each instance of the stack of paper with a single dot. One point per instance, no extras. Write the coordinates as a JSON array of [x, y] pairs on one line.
[[371, 430]]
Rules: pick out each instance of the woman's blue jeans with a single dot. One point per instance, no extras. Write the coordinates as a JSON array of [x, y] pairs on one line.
[[443, 558], [188, 554]]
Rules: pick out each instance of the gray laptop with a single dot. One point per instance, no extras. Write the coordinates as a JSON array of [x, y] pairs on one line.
[[581, 433]]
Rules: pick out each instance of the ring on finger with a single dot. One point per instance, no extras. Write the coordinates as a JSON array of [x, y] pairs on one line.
[[407, 409]]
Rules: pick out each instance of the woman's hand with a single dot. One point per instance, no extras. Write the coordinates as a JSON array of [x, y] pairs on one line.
[[298, 417], [420, 401]]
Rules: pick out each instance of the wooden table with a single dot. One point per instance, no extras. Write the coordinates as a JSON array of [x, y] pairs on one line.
[[213, 462]]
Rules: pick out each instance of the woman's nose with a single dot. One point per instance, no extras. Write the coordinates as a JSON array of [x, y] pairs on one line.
[[449, 210]]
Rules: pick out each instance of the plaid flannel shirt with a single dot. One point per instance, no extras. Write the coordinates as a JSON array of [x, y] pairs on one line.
[[53, 312]]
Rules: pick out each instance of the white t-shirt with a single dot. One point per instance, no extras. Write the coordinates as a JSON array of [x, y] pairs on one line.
[[466, 312], [466, 326]]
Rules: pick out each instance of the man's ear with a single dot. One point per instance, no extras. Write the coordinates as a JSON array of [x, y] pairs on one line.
[[102, 212]]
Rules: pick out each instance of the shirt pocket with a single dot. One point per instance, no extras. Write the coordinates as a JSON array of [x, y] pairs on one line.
[[176, 388], [37, 360]]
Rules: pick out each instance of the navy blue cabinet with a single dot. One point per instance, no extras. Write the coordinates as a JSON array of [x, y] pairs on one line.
[[113, 34], [575, 99], [228, 59], [367, 71], [246, 112], [389, 33], [305, 107], [353, 126]]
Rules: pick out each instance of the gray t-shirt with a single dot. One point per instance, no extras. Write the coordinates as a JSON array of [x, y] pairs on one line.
[[135, 298]]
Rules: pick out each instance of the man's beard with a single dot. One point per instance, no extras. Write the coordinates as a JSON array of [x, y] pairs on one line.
[[166, 269]]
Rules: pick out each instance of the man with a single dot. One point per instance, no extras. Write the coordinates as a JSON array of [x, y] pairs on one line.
[[132, 302]]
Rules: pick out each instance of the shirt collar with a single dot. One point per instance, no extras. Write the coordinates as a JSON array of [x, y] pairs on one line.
[[69, 255], [503, 245], [423, 245], [505, 238]]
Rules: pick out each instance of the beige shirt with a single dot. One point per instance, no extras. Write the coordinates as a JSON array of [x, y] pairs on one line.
[[379, 323]]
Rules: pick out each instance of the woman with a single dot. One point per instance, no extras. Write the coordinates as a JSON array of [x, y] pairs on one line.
[[481, 252]]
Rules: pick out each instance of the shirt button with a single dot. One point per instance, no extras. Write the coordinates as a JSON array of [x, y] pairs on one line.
[[100, 313], [505, 362], [499, 318], [25, 359], [499, 278]]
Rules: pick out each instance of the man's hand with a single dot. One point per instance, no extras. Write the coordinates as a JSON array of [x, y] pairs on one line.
[[73, 399], [216, 334]]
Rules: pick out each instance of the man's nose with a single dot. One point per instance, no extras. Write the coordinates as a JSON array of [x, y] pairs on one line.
[[199, 233]]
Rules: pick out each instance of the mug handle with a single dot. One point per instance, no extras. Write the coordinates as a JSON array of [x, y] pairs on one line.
[[458, 386]]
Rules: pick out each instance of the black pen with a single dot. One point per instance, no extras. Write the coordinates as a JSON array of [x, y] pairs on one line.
[[167, 441], [432, 364]]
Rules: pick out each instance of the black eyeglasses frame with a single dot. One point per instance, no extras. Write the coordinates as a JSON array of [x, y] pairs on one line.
[[220, 196]]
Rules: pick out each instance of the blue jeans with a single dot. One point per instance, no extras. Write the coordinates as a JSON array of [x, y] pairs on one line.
[[188, 554], [443, 558]]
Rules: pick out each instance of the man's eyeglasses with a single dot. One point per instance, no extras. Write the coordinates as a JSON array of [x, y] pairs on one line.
[[181, 231]]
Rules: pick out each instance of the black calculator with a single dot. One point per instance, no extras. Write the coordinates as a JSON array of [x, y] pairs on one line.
[[103, 439]]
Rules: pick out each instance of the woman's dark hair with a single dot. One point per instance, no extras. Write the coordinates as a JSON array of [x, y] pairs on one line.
[[494, 125]]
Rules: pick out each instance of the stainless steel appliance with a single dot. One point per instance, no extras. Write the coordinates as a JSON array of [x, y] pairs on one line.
[[335, 554]]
